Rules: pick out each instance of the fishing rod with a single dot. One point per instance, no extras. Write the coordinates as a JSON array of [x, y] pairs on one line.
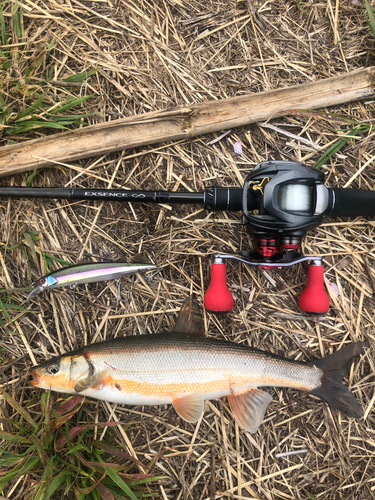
[[280, 202]]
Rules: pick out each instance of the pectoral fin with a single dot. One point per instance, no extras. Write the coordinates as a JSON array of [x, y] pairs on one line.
[[95, 381], [190, 318], [249, 407], [190, 408]]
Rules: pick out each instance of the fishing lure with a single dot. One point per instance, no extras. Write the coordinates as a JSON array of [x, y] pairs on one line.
[[185, 368], [87, 273]]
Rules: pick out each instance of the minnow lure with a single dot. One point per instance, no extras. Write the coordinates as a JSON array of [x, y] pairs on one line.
[[87, 273], [186, 368]]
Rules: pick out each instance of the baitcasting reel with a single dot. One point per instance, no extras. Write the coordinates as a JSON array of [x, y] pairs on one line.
[[287, 200]]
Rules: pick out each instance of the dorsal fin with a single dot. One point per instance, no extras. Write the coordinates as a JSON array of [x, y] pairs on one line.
[[190, 318]]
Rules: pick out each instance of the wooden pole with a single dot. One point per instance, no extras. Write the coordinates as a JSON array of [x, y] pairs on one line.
[[184, 122]]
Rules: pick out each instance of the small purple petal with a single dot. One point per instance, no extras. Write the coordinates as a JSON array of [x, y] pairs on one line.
[[335, 289], [237, 147]]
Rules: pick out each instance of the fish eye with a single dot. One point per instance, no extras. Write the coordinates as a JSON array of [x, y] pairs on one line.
[[42, 281], [53, 369]]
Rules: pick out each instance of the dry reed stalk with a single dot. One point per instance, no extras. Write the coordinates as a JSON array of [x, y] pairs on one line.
[[184, 122]]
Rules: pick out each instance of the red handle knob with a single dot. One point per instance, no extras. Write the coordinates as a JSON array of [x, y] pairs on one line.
[[314, 298], [218, 297]]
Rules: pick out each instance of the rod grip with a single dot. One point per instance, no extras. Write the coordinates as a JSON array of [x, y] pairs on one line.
[[353, 202]]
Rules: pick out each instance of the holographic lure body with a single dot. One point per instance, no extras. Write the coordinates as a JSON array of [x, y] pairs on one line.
[[87, 273]]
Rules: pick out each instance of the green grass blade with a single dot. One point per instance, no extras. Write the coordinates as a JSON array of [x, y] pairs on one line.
[[8, 461], [334, 148], [8, 477], [32, 125], [71, 118], [21, 410], [28, 465], [370, 17], [51, 44], [80, 77], [78, 448], [2, 24], [5, 312], [31, 109], [116, 452], [104, 492], [15, 307], [40, 494], [55, 484], [30, 178], [300, 7], [119, 482], [4, 106], [69, 465], [32, 462], [30, 243], [71, 103], [65, 262], [17, 20], [15, 438]]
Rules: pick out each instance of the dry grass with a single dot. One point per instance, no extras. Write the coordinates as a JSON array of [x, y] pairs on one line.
[[154, 55]]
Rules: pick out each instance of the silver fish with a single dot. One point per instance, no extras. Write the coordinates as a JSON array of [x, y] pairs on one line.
[[185, 368], [87, 273]]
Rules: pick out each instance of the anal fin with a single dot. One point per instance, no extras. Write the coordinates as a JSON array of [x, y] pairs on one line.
[[190, 408], [249, 407]]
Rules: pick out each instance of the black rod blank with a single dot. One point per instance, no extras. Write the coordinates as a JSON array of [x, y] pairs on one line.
[[102, 194], [214, 198]]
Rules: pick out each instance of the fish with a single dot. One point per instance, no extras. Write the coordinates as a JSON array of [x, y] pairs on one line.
[[86, 273], [185, 368]]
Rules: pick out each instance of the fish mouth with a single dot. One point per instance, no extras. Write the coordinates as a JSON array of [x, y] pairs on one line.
[[37, 380]]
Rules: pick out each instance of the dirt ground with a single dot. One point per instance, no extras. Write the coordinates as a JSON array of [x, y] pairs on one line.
[[153, 56]]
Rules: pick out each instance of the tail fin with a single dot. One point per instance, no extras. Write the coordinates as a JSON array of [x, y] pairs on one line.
[[335, 368]]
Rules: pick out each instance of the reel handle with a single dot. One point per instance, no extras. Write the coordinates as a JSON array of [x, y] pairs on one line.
[[314, 298], [218, 298]]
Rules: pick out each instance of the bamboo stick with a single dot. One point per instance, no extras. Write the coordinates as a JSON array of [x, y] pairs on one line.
[[184, 122]]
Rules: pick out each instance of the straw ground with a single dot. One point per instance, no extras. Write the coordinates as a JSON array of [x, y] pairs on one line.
[[150, 56]]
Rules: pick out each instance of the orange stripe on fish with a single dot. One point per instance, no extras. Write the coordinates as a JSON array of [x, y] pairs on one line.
[[169, 390]]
